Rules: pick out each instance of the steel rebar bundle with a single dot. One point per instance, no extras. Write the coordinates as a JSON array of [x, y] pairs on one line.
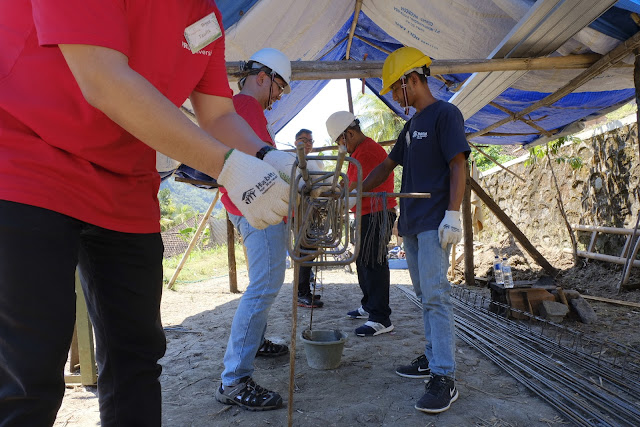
[[589, 381]]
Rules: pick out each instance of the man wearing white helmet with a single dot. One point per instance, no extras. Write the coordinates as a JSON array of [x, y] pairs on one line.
[[432, 148], [378, 216], [267, 77]]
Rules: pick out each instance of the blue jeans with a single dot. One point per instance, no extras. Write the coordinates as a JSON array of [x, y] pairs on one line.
[[428, 264], [266, 252]]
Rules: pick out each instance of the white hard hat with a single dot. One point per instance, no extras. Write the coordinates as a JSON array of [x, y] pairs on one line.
[[338, 122], [275, 60]]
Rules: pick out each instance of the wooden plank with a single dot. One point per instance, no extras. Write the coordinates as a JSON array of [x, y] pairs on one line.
[[468, 231], [517, 234], [612, 301], [86, 349]]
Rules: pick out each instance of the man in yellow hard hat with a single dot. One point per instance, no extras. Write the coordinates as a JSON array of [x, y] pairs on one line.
[[432, 148]]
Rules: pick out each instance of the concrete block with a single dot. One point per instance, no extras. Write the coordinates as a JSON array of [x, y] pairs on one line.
[[584, 310], [553, 311]]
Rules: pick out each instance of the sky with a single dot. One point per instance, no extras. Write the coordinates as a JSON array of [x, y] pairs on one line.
[[314, 115]]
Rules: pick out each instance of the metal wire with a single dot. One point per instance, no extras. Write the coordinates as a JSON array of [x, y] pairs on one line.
[[589, 381]]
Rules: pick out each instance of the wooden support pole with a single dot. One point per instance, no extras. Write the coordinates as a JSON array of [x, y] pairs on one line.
[[607, 61], [469, 273], [231, 256], [517, 234], [636, 83], [338, 70], [86, 353], [193, 242]]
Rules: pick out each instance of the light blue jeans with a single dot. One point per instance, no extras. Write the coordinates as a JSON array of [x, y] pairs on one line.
[[266, 252], [428, 264]]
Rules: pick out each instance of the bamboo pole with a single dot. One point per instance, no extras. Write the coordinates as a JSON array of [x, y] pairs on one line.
[[193, 242], [602, 257], [610, 230], [352, 30], [354, 22], [517, 234], [522, 119], [337, 70], [614, 56]]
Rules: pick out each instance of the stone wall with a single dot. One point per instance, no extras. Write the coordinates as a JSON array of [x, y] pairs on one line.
[[604, 192]]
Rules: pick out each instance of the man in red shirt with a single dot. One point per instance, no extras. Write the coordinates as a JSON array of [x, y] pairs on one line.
[[89, 90], [267, 76], [378, 216]]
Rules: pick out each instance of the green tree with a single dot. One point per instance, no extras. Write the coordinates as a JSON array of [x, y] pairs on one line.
[[495, 151], [376, 119]]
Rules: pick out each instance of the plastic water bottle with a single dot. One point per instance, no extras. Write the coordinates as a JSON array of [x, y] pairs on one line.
[[497, 271], [506, 272]]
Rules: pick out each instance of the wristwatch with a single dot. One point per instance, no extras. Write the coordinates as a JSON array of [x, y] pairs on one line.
[[263, 152]]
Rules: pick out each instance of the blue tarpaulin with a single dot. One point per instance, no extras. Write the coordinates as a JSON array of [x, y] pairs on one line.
[[471, 29]]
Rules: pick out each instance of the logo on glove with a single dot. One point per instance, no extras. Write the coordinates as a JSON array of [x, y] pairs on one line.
[[262, 186]]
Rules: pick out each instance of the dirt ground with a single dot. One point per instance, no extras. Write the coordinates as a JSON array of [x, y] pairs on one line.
[[364, 390]]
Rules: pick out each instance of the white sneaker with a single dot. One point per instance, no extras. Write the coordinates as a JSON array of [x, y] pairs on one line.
[[371, 329]]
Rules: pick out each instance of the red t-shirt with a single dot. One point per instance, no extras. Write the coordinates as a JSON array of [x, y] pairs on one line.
[[60, 153], [370, 154], [252, 112]]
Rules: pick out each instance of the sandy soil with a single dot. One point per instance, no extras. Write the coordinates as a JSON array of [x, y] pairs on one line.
[[364, 390]]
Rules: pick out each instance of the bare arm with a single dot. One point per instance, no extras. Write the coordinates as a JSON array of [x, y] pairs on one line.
[[377, 175], [110, 85], [218, 117], [457, 181]]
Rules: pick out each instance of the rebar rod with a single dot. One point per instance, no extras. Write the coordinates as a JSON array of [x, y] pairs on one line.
[[535, 356]]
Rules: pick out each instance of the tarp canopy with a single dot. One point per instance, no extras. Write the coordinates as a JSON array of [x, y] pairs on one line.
[[318, 30], [442, 29]]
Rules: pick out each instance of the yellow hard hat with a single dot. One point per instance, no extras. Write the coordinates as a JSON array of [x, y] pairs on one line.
[[399, 62]]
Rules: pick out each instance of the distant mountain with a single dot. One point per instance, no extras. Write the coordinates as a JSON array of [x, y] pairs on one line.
[[187, 194]]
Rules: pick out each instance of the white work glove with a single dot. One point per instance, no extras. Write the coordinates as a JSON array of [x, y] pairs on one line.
[[282, 161], [450, 230], [255, 188], [353, 199]]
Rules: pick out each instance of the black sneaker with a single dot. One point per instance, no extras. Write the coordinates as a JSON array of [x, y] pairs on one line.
[[419, 368], [309, 302], [249, 395], [440, 393], [270, 349]]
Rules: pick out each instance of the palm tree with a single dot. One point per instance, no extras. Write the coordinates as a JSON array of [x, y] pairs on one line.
[[376, 119]]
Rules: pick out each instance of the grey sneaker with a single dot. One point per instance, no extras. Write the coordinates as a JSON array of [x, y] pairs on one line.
[[440, 393], [249, 395], [419, 368]]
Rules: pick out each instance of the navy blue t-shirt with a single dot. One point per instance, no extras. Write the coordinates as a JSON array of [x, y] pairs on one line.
[[426, 145]]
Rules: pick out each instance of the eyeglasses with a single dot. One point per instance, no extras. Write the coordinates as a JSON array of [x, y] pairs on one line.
[[305, 140], [281, 88]]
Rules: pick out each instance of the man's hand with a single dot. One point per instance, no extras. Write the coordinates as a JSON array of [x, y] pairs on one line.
[[255, 188], [282, 161], [450, 230]]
